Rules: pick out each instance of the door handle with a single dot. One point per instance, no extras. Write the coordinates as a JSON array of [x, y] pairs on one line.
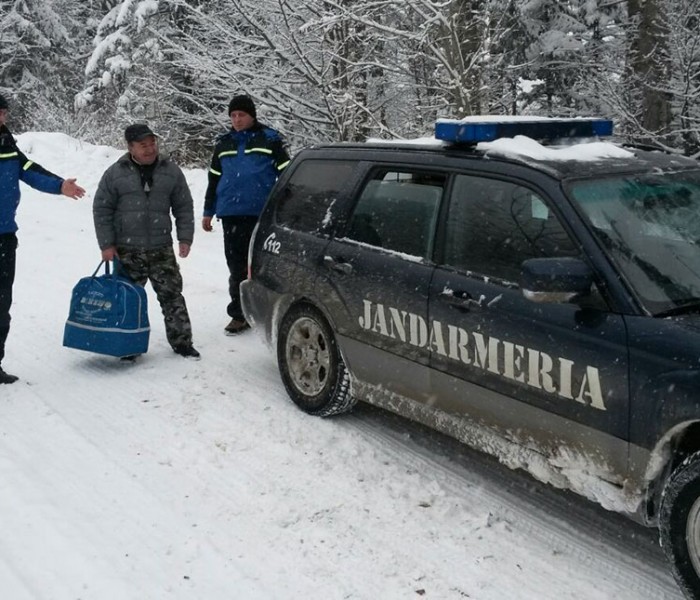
[[338, 266], [460, 299]]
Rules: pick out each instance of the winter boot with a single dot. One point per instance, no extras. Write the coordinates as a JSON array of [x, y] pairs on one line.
[[236, 326], [6, 377], [187, 352]]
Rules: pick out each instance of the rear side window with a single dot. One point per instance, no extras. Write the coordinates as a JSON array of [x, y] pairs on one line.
[[306, 200], [398, 211]]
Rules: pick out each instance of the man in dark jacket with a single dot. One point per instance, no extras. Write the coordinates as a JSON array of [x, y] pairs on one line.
[[15, 166], [246, 163], [131, 211]]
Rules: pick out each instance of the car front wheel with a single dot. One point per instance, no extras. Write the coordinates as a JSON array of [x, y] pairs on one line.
[[310, 364], [679, 525]]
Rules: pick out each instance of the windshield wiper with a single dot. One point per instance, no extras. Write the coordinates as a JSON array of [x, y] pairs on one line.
[[683, 307]]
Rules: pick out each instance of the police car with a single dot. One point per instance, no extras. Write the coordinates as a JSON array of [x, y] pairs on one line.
[[514, 283]]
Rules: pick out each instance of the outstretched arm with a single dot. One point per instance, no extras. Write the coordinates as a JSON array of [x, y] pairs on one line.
[[41, 179]]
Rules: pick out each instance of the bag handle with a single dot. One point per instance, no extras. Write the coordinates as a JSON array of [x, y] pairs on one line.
[[115, 267]]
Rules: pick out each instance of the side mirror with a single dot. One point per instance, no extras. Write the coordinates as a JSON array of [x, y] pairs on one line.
[[557, 280]]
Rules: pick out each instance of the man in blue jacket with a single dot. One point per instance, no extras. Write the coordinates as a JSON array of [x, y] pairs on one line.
[[246, 163], [15, 166]]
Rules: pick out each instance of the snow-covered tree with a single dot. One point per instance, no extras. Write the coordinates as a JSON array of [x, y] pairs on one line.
[[658, 102], [308, 66], [570, 47], [648, 77], [682, 22], [333, 70], [123, 47], [37, 60]]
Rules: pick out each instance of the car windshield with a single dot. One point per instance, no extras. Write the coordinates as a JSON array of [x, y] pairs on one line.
[[650, 224]]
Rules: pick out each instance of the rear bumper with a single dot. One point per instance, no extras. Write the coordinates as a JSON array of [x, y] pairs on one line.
[[258, 305], [254, 300]]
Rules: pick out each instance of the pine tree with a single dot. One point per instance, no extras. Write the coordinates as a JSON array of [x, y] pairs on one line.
[[124, 46], [35, 61]]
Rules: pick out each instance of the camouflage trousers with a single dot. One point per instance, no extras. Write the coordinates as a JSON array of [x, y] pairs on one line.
[[160, 268]]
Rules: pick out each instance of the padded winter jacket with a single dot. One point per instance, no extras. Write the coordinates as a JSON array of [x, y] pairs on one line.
[[243, 170], [15, 166], [128, 216]]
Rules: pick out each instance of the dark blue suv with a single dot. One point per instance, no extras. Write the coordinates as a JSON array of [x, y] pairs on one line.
[[513, 294]]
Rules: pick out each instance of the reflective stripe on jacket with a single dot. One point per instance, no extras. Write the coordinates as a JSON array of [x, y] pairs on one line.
[[16, 167], [243, 170]]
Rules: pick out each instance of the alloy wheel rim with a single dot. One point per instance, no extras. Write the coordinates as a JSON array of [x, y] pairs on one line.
[[692, 534], [308, 356]]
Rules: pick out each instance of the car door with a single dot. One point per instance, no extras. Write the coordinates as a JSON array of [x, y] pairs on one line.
[[375, 279], [544, 374], [292, 233]]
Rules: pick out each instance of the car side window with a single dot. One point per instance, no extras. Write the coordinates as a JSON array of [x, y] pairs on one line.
[[398, 211], [306, 201], [493, 226]]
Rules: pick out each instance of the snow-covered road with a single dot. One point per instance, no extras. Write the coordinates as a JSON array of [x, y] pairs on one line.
[[175, 479]]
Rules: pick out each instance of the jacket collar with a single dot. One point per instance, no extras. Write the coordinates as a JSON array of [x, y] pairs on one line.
[[246, 133], [125, 160], [7, 141]]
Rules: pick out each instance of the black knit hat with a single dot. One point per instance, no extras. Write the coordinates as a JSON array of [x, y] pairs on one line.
[[244, 103], [3, 102], [137, 131]]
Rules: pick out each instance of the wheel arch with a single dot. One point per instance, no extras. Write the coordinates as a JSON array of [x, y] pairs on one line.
[[680, 442], [288, 303]]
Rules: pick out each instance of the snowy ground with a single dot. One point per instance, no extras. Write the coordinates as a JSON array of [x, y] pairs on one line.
[[187, 480]]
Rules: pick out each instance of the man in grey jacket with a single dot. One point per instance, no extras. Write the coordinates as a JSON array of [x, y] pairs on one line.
[[131, 211]]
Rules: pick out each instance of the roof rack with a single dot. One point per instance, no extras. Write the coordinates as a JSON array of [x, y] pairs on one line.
[[473, 130]]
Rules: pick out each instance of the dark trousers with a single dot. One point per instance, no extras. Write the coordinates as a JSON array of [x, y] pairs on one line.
[[160, 267], [8, 259], [237, 234]]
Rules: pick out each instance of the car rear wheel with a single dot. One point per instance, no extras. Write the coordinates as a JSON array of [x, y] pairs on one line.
[[679, 525], [312, 369]]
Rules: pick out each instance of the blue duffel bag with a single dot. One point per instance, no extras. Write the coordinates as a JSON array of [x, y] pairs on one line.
[[108, 315]]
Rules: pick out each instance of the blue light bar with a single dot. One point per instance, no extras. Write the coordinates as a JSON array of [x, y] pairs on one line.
[[472, 132]]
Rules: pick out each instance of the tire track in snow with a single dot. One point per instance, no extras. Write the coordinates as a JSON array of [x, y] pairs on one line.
[[613, 548], [118, 406], [355, 507], [191, 413]]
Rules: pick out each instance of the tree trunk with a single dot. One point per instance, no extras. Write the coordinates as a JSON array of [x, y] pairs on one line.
[[649, 62]]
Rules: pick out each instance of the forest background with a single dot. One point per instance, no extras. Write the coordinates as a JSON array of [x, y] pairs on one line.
[[347, 70]]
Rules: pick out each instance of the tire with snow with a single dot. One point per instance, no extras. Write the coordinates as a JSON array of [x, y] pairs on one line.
[[312, 369], [679, 525]]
